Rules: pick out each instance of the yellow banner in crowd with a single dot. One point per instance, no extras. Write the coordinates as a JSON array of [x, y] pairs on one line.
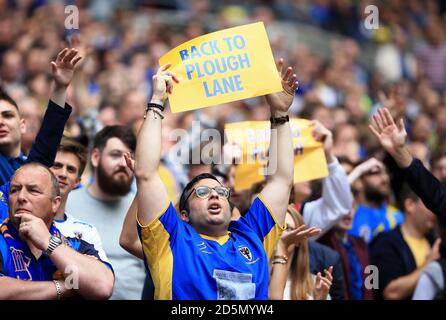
[[223, 66], [254, 136]]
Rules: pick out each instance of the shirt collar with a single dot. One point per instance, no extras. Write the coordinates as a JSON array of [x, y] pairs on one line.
[[221, 239]]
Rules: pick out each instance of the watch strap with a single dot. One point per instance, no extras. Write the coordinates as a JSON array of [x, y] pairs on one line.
[[53, 244], [279, 120]]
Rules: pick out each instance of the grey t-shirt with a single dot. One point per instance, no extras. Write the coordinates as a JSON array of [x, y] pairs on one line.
[[108, 218]]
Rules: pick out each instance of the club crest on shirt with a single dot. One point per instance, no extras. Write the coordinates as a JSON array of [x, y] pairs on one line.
[[21, 264], [245, 252], [78, 234]]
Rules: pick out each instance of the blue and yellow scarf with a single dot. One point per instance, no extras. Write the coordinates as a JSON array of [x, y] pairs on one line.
[[20, 263]]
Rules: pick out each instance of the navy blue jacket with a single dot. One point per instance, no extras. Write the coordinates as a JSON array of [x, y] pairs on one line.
[[431, 191], [393, 257], [45, 146]]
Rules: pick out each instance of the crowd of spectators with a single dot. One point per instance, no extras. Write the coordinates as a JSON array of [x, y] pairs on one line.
[[121, 42]]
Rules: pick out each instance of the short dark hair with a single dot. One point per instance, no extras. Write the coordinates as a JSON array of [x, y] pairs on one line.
[[69, 145], [404, 193], [6, 97], [123, 133], [183, 203], [55, 189], [438, 154]]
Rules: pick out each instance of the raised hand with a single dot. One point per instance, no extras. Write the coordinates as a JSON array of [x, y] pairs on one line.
[[322, 134], [280, 102], [162, 83], [63, 68], [82, 47], [393, 101], [322, 284], [363, 168], [370, 164], [434, 252], [291, 238], [33, 228], [391, 136], [129, 161]]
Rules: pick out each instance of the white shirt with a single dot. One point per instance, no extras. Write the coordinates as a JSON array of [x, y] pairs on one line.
[[335, 203], [72, 227]]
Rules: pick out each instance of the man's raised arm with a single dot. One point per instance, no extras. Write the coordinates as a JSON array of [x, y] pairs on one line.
[[281, 157], [392, 138], [152, 194], [47, 141]]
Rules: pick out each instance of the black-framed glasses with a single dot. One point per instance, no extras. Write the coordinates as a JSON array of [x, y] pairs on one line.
[[204, 192]]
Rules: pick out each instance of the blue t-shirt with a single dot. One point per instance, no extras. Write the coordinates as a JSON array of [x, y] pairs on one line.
[[187, 265], [18, 262], [369, 222], [4, 193], [356, 277]]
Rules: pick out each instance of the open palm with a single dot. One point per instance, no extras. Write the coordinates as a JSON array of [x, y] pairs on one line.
[[292, 238], [391, 136], [281, 101], [323, 284], [63, 67]]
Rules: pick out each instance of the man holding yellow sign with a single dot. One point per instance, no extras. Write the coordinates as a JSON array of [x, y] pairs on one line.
[[200, 253]]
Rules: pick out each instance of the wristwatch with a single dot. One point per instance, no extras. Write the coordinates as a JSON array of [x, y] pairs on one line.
[[54, 243]]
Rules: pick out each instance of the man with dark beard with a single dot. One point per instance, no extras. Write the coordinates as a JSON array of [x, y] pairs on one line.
[[104, 204], [374, 214]]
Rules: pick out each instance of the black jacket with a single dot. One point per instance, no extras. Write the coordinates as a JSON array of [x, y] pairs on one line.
[[431, 191], [393, 257]]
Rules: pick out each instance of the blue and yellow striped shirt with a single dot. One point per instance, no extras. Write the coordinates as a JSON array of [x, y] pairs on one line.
[[185, 265]]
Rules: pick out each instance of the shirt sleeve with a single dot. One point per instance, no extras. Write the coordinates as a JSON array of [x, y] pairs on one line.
[[48, 138], [158, 238], [95, 239], [166, 222], [2, 271], [4, 193], [2, 259], [88, 249], [431, 191], [425, 289], [158, 235], [2, 267], [263, 222], [335, 203]]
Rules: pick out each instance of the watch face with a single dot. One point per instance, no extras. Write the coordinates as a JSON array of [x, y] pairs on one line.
[[57, 241]]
